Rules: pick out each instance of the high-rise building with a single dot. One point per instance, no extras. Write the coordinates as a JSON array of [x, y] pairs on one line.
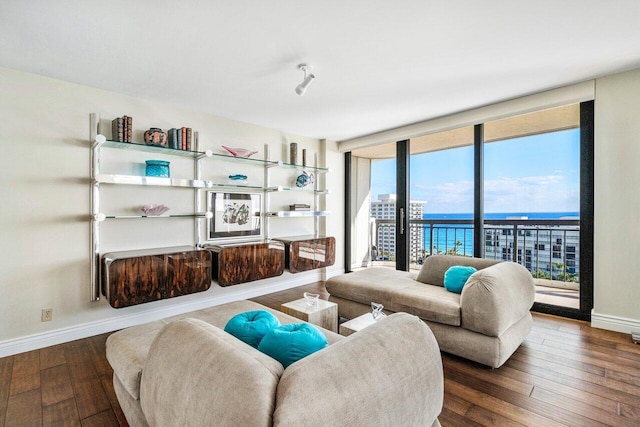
[[385, 209]]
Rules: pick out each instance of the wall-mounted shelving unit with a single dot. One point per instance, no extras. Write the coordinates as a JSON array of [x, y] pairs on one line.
[[196, 183]]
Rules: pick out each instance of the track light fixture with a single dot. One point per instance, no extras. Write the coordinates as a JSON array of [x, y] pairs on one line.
[[308, 78]]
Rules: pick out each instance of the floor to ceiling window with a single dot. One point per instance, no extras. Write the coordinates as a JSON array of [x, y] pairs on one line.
[[441, 188], [534, 168], [532, 199]]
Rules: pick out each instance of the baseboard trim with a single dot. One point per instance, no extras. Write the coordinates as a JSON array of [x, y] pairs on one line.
[[328, 274], [614, 323], [58, 336]]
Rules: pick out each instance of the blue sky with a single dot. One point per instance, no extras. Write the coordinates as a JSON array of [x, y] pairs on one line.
[[537, 173]]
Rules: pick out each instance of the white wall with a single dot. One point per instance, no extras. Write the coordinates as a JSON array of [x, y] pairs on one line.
[[617, 202], [44, 206]]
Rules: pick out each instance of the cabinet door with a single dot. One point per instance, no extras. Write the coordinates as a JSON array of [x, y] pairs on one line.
[[136, 280], [269, 260], [246, 263], [310, 254], [188, 272]]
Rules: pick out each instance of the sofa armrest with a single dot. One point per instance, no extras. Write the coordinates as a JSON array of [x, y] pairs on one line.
[[496, 297], [196, 374], [390, 373]]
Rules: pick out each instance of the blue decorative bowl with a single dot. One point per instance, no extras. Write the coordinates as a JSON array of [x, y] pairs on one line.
[[238, 177], [158, 168]]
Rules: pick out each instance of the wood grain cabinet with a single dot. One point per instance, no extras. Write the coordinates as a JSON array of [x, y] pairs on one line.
[[304, 253], [136, 277], [245, 262]]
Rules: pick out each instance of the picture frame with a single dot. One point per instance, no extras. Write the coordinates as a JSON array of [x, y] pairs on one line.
[[235, 216]]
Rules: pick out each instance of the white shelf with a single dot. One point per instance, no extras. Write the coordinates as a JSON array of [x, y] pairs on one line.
[[168, 182], [293, 214], [197, 215], [307, 189], [152, 180]]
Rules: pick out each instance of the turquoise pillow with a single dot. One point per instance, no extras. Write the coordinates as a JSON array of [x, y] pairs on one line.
[[251, 326], [456, 277], [290, 343]]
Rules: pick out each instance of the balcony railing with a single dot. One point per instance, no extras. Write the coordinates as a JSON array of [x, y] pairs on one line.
[[550, 249]]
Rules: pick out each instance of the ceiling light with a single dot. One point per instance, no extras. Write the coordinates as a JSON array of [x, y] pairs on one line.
[[308, 78]]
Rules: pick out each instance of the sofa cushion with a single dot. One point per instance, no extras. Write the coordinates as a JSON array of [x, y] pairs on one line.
[[289, 343], [127, 349], [196, 374], [390, 374], [434, 267], [455, 277], [251, 326], [398, 291]]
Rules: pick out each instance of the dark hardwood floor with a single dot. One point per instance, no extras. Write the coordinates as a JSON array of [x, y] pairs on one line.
[[565, 373]]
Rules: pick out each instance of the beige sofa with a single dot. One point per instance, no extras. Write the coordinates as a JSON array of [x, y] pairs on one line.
[[186, 371], [485, 323]]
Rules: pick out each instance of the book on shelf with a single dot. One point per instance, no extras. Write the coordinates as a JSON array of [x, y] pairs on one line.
[[125, 131], [122, 128], [184, 138], [172, 134], [188, 143], [129, 127], [117, 129], [299, 207]]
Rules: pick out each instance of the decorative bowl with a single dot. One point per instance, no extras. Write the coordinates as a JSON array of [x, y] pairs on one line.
[[154, 209], [240, 152], [238, 177]]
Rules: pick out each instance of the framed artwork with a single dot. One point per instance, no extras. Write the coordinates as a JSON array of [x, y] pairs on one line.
[[236, 216]]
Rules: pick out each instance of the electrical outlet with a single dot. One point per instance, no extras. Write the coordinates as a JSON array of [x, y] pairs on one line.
[[47, 314]]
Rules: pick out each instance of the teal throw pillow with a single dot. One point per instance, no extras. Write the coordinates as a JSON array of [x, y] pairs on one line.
[[456, 277], [251, 326], [290, 343]]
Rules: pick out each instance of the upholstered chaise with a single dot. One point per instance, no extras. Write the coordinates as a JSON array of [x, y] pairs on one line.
[[485, 323]]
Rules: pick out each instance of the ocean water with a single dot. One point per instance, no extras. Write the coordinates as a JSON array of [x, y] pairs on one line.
[[445, 236], [503, 215]]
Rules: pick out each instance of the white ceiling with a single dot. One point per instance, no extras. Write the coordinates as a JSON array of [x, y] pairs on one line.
[[378, 64]]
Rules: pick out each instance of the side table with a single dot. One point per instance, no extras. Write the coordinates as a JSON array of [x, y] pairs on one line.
[[325, 314], [356, 324]]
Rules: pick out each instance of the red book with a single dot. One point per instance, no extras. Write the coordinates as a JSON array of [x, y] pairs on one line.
[[184, 138]]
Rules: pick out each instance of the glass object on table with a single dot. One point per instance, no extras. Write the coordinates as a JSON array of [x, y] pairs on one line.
[[311, 299], [376, 312]]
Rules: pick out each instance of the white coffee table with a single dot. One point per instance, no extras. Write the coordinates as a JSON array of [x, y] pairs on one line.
[[356, 324], [325, 314]]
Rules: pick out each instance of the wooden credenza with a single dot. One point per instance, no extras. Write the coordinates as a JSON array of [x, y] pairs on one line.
[[136, 277], [304, 253], [233, 264]]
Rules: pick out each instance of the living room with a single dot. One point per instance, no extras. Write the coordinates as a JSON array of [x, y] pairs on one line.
[[60, 63]]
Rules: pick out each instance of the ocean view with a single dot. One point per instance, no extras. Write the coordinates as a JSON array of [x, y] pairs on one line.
[[530, 215], [445, 236]]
